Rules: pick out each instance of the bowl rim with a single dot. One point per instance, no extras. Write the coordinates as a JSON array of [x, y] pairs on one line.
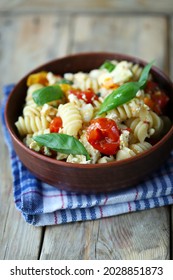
[[50, 160]]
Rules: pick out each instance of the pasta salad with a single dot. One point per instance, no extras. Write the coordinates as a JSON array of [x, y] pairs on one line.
[[108, 114]]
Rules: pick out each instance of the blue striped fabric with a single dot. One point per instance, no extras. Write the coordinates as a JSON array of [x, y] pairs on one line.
[[42, 204]]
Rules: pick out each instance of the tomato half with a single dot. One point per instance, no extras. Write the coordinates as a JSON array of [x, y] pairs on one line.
[[55, 124], [158, 99], [87, 95], [103, 134]]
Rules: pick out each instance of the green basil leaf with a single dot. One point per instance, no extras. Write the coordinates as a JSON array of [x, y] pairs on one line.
[[65, 81], [62, 143], [125, 93], [145, 73], [47, 94], [119, 96], [108, 65]]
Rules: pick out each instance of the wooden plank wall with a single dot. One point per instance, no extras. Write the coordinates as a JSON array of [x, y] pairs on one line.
[[118, 6]]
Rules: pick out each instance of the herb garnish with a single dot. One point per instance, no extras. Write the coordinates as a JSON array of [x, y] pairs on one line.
[[62, 143], [47, 94], [108, 65], [126, 92]]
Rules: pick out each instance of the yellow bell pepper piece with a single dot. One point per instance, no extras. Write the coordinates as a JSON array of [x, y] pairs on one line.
[[38, 78]]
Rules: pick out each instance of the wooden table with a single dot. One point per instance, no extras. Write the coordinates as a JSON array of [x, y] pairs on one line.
[[33, 32]]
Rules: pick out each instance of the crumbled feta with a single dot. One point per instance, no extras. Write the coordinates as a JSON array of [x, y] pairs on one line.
[[124, 139], [52, 79], [120, 74], [106, 159], [78, 159]]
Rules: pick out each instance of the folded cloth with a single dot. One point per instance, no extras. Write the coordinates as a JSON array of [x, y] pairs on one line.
[[42, 204]]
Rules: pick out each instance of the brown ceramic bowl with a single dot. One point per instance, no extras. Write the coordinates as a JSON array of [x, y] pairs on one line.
[[88, 178]]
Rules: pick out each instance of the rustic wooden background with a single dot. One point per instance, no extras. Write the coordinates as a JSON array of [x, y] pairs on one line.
[[33, 32]]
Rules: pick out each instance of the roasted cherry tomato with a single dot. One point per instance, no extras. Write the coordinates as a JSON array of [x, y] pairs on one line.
[[103, 134], [55, 124], [157, 99], [151, 86], [87, 95]]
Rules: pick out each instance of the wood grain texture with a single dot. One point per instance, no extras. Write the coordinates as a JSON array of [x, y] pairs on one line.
[[23, 47], [117, 237], [130, 35], [116, 6], [130, 236], [17, 239], [71, 241], [29, 39]]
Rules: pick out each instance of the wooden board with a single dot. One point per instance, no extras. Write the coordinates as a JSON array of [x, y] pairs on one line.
[[98, 240], [130, 236], [129, 34], [115, 6], [29, 39], [23, 47]]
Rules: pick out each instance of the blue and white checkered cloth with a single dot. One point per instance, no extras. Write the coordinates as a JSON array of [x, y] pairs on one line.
[[42, 204]]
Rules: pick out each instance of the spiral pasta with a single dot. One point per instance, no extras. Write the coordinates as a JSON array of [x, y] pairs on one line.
[[127, 110], [136, 70], [29, 100], [83, 81], [71, 118], [147, 124], [30, 124], [132, 150], [152, 119], [31, 110], [141, 129], [122, 132]]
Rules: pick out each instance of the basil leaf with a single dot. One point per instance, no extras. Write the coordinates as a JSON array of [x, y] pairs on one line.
[[108, 65], [119, 96], [125, 93], [144, 75], [65, 81], [62, 143], [47, 94]]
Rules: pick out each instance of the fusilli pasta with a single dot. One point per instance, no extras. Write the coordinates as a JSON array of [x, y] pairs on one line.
[[71, 118], [30, 124], [120, 133]]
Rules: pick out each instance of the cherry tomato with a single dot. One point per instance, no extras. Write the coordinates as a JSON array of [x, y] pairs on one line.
[[149, 102], [158, 98], [103, 134], [151, 86], [55, 124], [87, 95]]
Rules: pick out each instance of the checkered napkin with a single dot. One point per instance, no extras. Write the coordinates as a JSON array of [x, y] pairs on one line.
[[42, 204]]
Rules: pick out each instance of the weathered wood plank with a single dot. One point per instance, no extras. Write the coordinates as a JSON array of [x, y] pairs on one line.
[[144, 37], [142, 235], [135, 236], [25, 42], [28, 41], [90, 240], [131, 236], [15, 236], [70, 241], [116, 6]]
